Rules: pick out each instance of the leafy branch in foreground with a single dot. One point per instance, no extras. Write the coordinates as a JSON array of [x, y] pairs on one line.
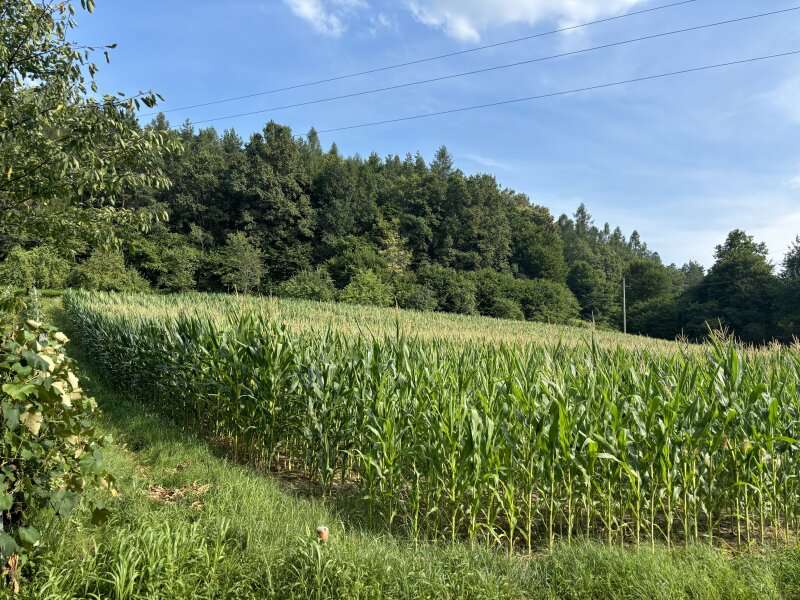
[[63, 149], [50, 451]]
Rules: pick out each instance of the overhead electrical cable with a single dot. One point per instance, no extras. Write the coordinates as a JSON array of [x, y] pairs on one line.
[[500, 67], [563, 92], [428, 59]]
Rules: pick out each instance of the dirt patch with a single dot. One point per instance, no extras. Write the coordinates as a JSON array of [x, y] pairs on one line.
[[194, 492]]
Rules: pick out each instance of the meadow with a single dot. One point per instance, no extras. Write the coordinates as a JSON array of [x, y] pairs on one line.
[[500, 434]]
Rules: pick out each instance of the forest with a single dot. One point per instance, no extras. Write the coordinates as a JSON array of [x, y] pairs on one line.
[[278, 214]]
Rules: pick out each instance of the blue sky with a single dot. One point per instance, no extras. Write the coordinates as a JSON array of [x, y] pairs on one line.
[[683, 160]]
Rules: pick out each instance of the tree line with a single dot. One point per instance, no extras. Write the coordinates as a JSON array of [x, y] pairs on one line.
[[277, 214]]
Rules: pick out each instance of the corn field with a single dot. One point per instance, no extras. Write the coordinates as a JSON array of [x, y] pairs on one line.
[[510, 444]]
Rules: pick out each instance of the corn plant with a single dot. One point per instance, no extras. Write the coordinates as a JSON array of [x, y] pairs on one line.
[[515, 441]]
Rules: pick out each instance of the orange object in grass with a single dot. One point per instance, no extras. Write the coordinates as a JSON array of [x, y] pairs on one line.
[[322, 534]]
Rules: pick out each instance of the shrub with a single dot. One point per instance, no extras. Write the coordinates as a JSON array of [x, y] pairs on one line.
[[310, 284], [51, 451], [105, 271], [506, 308], [547, 301], [657, 317], [412, 295], [40, 267], [455, 291], [496, 295], [367, 288], [351, 255]]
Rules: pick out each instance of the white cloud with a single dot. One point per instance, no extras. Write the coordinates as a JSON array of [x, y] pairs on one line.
[[381, 22], [326, 16], [786, 98], [466, 19], [487, 162]]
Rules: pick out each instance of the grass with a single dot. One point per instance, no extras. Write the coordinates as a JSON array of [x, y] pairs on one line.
[[251, 537]]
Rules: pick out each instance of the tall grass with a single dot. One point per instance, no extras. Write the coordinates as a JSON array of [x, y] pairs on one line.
[[517, 445]]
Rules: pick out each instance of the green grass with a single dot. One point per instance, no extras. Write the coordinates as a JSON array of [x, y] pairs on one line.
[[253, 538]]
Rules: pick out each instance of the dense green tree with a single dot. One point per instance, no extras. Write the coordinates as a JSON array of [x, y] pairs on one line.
[[180, 264], [791, 262], [412, 295], [455, 291], [657, 317], [41, 267], [496, 295], [739, 292], [547, 301], [692, 275], [788, 306], [646, 279], [239, 264], [351, 255], [537, 247], [587, 282], [271, 190]]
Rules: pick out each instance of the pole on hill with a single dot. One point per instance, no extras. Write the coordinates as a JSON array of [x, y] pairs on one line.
[[624, 307]]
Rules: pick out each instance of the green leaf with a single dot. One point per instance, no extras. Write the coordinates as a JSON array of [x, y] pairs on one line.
[[19, 391], [11, 416], [63, 503], [8, 545], [29, 536], [6, 502]]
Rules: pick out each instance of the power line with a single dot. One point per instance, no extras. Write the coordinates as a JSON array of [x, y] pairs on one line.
[[501, 67], [562, 92], [420, 61]]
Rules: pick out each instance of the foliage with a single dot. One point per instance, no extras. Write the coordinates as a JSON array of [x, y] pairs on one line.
[[351, 255], [181, 262], [238, 264], [51, 451], [645, 280], [516, 445], [454, 291], [659, 317], [105, 270], [367, 288], [546, 301], [66, 153], [310, 284], [412, 295], [40, 267], [168, 260]]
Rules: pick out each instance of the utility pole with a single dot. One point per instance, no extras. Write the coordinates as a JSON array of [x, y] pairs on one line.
[[624, 307]]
